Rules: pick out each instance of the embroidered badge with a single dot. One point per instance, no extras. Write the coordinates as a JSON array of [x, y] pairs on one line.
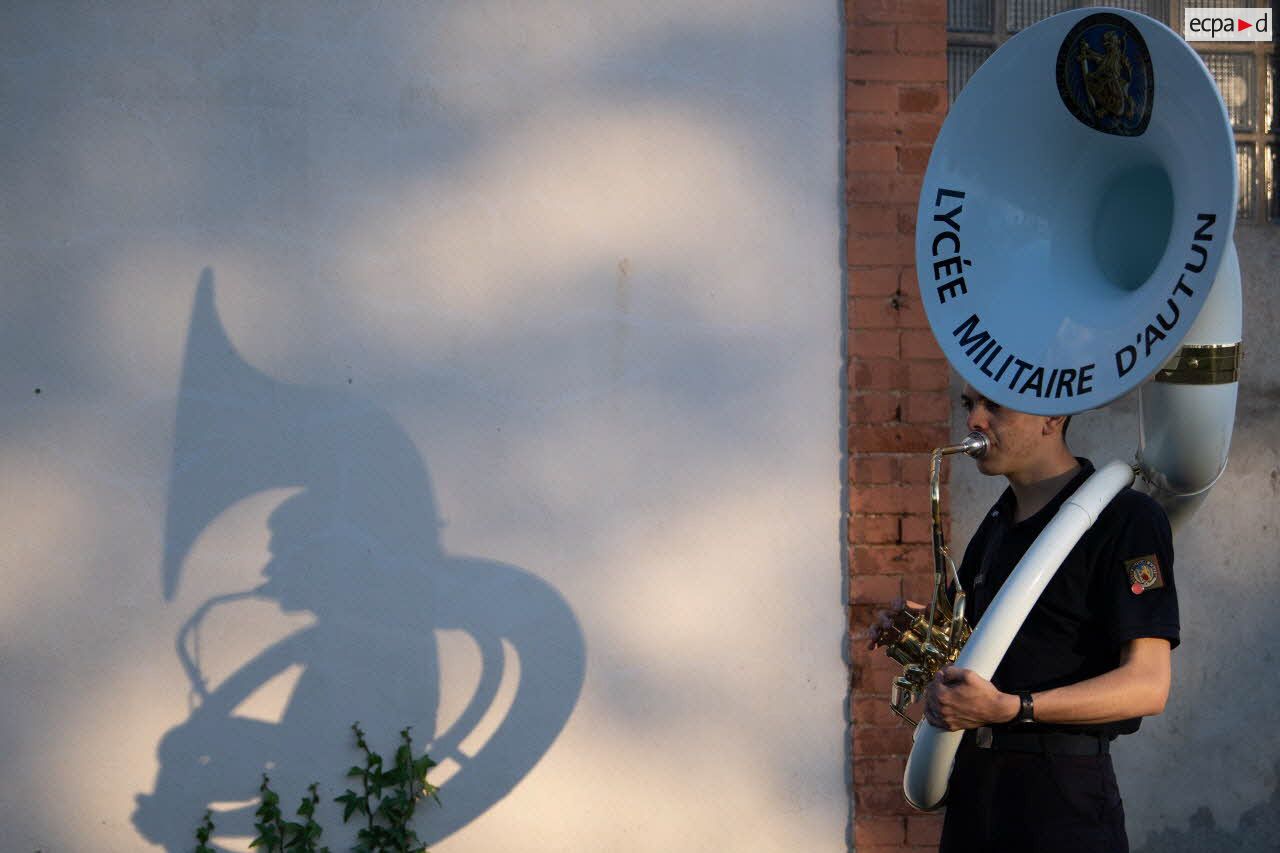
[[1144, 573], [1105, 76]]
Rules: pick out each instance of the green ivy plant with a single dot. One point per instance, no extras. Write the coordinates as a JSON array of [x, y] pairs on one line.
[[387, 801], [286, 836], [388, 798]]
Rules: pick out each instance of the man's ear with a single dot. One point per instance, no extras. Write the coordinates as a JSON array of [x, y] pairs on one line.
[[1052, 424]]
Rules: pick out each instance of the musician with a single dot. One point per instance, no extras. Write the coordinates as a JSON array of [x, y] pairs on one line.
[[1034, 770]]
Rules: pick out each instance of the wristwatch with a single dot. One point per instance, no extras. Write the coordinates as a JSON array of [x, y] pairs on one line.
[[1026, 709]]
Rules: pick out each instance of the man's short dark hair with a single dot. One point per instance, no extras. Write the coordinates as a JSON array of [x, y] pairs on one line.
[[1066, 422]]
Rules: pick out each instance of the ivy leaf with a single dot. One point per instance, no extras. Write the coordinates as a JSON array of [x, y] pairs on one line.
[[353, 803]]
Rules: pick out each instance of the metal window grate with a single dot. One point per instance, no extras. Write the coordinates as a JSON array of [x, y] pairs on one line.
[[970, 16], [1269, 183], [1234, 74], [1158, 9], [1023, 13], [1247, 167], [1269, 121], [962, 61], [1221, 4]]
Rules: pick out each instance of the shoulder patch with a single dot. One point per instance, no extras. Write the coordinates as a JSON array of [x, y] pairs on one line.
[[1144, 573]]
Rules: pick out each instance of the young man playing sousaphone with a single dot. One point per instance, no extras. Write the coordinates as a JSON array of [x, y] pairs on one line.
[[1034, 772]]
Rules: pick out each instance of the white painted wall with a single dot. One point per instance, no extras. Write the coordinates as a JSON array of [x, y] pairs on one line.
[[515, 367], [1212, 753]]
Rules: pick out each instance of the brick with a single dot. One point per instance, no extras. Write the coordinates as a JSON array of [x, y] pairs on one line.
[[875, 312], [869, 529], [911, 312], [871, 157], [871, 831], [924, 829], [926, 407], [921, 99], [915, 469], [919, 343], [914, 159], [881, 799], [924, 11], [873, 188], [880, 250], [868, 219], [874, 589], [872, 38], [907, 283], [920, 38], [895, 740], [860, 618], [881, 671], [919, 128], [880, 374], [865, 97], [874, 407], [895, 437], [919, 588], [875, 343], [876, 686], [884, 499], [896, 68], [918, 528], [884, 769], [875, 712], [907, 223], [875, 469], [891, 559], [928, 375], [878, 281], [874, 127]]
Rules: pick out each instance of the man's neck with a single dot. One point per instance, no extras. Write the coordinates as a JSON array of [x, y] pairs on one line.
[[1033, 491]]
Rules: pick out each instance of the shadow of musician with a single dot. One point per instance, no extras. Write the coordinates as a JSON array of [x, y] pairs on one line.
[[357, 547]]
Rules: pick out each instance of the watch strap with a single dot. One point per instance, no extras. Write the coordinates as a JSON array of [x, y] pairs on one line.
[[1026, 709]]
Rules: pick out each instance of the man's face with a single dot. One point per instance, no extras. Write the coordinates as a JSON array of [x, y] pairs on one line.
[[1015, 440]]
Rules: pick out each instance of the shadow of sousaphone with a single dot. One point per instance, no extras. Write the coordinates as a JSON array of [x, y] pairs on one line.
[[357, 547]]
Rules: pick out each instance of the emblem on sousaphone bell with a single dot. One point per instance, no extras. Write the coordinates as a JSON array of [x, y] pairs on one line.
[[1104, 75]]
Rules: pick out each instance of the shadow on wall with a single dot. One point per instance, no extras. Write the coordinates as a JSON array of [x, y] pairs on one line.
[[358, 548], [1257, 832]]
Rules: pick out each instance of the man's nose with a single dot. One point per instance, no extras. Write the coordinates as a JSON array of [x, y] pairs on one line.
[[977, 420]]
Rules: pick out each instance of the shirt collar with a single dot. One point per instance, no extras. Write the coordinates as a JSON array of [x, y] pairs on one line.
[[1006, 502]]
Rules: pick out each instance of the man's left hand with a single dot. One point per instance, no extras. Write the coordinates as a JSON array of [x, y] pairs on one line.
[[961, 699]]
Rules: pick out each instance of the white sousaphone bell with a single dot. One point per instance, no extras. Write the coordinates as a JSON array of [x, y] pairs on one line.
[[1073, 240]]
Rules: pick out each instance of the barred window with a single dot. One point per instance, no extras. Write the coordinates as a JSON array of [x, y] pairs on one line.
[[1244, 71]]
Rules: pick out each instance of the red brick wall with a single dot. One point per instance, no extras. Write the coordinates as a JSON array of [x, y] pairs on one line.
[[899, 407]]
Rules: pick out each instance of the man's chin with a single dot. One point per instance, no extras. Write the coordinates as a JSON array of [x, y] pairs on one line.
[[988, 466]]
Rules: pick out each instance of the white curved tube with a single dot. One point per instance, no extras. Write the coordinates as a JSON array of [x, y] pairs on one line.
[[934, 750], [1184, 431]]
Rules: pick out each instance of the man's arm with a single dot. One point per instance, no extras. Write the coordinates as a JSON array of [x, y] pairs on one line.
[[1137, 687]]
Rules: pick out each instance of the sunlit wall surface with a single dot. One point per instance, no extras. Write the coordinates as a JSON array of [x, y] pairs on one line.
[[471, 366]]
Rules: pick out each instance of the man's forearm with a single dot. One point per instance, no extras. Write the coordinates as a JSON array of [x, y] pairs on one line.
[[1138, 687]]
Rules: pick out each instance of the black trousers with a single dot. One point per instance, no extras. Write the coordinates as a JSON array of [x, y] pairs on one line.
[[1032, 802]]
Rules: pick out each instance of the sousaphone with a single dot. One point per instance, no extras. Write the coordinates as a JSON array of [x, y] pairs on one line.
[[1073, 241]]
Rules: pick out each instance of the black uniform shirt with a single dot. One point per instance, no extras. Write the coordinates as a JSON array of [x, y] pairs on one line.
[[1116, 585]]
